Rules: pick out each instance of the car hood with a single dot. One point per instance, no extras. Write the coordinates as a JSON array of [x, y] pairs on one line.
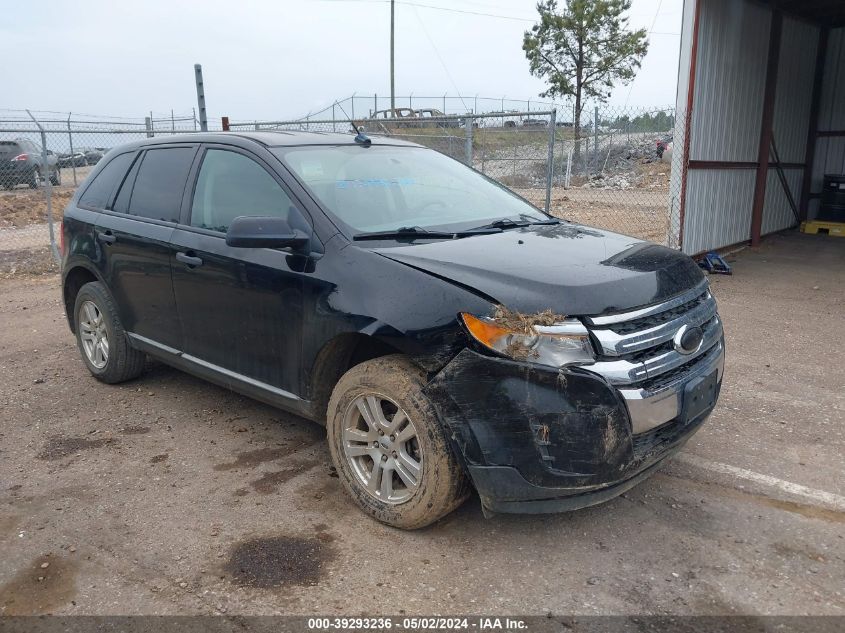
[[571, 269]]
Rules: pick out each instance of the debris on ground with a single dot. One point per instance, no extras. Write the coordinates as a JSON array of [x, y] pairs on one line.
[[513, 320]]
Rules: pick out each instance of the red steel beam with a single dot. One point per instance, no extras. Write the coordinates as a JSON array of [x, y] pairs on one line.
[[766, 121], [730, 164], [812, 130], [693, 63]]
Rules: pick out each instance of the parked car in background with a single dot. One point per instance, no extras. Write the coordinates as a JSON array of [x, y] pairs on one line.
[[446, 332], [22, 163], [664, 148], [396, 117], [434, 113], [535, 123], [92, 155], [666, 153], [77, 159]]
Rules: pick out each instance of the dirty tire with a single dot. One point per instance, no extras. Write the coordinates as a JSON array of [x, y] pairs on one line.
[[443, 485], [56, 177], [124, 362]]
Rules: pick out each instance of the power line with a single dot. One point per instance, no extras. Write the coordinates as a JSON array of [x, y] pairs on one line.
[[442, 63], [436, 8], [650, 32]]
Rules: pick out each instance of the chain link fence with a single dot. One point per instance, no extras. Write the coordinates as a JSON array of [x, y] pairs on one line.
[[615, 172], [44, 156]]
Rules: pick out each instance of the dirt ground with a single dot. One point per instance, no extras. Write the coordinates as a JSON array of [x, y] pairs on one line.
[[168, 495], [22, 206], [642, 213]]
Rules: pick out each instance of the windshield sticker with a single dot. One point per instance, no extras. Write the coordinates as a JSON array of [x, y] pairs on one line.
[[374, 182], [311, 170]]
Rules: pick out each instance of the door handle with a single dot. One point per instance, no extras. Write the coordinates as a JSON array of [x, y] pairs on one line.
[[107, 237], [190, 260]]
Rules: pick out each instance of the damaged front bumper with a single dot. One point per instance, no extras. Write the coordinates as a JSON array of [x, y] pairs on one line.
[[537, 440]]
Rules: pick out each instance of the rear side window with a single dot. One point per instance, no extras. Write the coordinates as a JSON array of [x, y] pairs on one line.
[[8, 148], [160, 183], [98, 194]]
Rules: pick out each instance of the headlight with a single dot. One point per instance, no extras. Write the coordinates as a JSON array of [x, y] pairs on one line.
[[564, 343]]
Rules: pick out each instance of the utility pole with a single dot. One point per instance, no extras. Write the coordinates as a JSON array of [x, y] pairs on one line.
[[392, 78], [200, 97]]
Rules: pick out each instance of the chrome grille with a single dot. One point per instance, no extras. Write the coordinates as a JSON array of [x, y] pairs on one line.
[[637, 355]]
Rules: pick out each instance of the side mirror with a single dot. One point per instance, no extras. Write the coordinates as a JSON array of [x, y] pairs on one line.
[[264, 232]]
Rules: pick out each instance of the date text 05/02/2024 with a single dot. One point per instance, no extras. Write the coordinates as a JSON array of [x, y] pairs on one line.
[[479, 623]]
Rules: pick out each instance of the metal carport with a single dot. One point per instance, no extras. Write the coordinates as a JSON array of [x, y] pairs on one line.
[[754, 72]]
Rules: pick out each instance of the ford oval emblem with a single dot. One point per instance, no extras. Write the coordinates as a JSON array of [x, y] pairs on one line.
[[688, 339]]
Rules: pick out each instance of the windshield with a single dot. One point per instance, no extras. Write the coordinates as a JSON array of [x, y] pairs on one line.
[[382, 188]]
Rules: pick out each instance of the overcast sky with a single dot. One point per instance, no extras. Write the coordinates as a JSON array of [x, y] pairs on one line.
[[281, 59]]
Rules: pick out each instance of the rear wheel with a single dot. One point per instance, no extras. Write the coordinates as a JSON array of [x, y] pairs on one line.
[[35, 178], [101, 338], [389, 448], [56, 177]]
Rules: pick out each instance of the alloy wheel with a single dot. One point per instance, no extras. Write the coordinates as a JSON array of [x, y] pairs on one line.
[[381, 445], [93, 334]]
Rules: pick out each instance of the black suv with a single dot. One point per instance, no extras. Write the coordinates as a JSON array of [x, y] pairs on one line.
[[447, 333], [22, 163]]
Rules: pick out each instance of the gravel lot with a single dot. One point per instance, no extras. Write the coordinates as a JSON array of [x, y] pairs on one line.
[[168, 495]]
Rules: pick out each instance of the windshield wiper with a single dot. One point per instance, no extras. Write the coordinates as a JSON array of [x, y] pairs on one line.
[[404, 232], [507, 223], [416, 232]]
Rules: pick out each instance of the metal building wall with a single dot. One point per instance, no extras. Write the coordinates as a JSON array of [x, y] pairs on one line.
[[777, 214], [793, 100], [830, 150], [730, 76], [678, 171]]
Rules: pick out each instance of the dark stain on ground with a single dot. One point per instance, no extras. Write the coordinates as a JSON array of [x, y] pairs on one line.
[[58, 447], [808, 511], [157, 459], [251, 459], [37, 590], [805, 510], [790, 550], [279, 561], [135, 430], [269, 482], [322, 533], [241, 492]]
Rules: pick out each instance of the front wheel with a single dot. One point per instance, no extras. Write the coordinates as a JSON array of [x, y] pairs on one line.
[[101, 338], [389, 448]]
